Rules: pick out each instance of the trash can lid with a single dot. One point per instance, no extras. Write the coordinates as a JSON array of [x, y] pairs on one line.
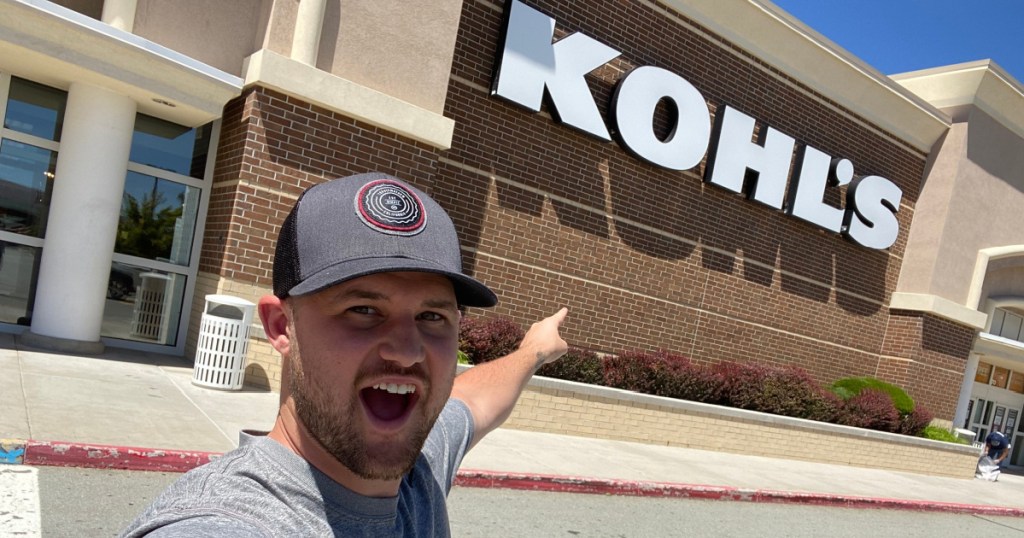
[[228, 300]]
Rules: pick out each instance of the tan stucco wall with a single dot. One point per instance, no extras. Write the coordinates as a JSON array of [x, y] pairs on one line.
[[221, 34], [932, 212], [384, 45], [380, 44], [971, 200]]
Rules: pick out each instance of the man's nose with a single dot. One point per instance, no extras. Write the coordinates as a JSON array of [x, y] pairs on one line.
[[403, 344]]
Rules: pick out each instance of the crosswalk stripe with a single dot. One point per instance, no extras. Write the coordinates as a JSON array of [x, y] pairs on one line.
[[19, 501]]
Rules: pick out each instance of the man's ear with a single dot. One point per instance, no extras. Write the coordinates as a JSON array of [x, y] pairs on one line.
[[274, 315]]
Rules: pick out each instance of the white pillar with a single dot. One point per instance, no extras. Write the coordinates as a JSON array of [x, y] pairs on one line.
[[966, 387], [82, 224], [308, 23], [119, 13]]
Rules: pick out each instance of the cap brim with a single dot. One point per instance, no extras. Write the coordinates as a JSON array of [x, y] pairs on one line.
[[468, 290]]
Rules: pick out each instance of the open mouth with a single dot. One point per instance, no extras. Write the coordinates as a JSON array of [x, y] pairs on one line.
[[389, 403]]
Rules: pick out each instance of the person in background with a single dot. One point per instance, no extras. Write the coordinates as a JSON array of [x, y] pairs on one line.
[[997, 446], [373, 421]]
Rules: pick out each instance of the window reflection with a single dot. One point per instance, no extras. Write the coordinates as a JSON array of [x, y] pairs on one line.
[[157, 219], [142, 304], [18, 267], [35, 109], [26, 182], [168, 146]]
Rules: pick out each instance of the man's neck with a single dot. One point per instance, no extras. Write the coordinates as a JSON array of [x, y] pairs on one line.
[[289, 431]]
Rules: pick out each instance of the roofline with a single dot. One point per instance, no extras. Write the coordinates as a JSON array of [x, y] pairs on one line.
[[776, 37]]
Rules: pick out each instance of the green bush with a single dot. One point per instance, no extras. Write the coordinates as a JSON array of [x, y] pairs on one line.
[[463, 358], [851, 387], [937, 433]]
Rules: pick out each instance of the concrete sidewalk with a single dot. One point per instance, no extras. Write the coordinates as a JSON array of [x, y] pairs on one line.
[[136, 410]]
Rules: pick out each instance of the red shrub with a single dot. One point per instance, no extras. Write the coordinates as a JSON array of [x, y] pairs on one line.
[[580, 365], [780, 390], [631, 370], [915, 422], [661, 374], [486, 339], [871, 409]]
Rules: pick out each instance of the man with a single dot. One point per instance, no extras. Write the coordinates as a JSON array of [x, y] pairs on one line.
[[373, 422], [997, 446]]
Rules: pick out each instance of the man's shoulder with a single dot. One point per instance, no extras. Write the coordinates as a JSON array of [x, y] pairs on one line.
[[241, 486], [996, 438]]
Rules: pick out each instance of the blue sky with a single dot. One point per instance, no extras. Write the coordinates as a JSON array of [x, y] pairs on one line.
[[896, 36]]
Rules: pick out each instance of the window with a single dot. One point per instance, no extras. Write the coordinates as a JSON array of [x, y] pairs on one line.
[[156, 231], [35, 110], [984, 372], [979, 410], [157, 219], [167, 146], [19, 265], [1017, 382], [32, 119], [999, 377], [1006, 324]]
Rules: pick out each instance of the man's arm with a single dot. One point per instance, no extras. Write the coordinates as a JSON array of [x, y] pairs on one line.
[[1003, 454], [491, 390]]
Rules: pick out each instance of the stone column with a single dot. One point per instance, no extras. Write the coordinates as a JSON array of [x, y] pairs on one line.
[[308, 24], [966, 387], [82, 224], [119, 13]]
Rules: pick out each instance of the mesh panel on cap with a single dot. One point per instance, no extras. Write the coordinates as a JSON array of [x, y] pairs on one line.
[[287, 272]]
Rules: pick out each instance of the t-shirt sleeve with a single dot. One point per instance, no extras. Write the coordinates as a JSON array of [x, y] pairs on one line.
[[448, 442]]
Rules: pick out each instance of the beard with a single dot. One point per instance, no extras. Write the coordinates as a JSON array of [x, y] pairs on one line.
[[338, 424]]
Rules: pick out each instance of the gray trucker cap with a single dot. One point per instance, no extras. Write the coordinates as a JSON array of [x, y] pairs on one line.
[[365, 224]]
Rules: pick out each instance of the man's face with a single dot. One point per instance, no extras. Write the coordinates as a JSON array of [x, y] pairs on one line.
[[372, 365]]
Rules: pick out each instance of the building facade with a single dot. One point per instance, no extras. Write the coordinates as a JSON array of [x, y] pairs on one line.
[[710, 178]]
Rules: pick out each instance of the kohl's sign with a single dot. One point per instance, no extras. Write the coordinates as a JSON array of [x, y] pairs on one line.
[[529, 65]]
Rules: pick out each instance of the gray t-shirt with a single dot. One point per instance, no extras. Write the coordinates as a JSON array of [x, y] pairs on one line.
[[264, 489]]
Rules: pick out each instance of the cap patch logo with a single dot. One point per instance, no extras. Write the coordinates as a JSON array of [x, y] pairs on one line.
[[390, 208]]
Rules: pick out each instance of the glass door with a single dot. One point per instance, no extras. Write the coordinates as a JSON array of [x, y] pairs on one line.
[[980, 419]]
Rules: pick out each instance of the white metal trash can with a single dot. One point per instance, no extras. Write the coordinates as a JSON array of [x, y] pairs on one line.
[[223, 342]]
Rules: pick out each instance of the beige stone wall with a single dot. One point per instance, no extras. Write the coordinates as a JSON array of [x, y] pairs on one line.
[[569, 408]]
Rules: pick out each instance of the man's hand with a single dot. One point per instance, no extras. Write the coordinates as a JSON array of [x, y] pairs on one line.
[[543, 341]]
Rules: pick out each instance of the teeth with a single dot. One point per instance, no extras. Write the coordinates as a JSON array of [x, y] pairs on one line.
[[395, 389]]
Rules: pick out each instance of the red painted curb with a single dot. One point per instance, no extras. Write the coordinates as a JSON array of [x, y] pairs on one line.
[[564, 484], [146, 459], [113, 457]]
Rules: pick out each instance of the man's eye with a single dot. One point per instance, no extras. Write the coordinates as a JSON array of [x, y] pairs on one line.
[[431, 316], [362, 310]]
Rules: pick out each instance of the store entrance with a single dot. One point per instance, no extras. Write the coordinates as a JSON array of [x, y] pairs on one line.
[[989, 416]]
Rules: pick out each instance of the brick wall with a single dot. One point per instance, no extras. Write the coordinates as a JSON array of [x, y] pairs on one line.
[[644, 258], [927, 355], [648, 258]]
